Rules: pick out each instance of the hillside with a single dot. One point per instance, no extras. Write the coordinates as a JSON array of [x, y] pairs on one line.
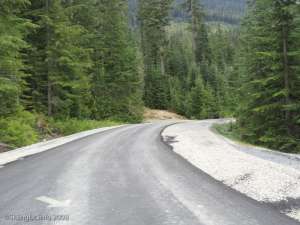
[[227, 11], [67, 65]]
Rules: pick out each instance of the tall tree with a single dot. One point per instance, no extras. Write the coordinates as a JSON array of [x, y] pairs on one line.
[[59, 64], [271, 105], [199, 31], [13, 30], [154, 17], [117, 87]]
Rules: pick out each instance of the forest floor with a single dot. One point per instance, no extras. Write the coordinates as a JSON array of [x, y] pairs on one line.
[[152, 115], [267, 176]]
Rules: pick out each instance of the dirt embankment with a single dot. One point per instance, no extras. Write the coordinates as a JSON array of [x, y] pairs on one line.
[[152, 115]]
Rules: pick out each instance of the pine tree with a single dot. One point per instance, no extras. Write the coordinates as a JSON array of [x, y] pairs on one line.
[[197, 100], [199, 31], [154, 17], [13, 30], [270, 107], [202, 105], [180, 63], [58, 63], [116, 79]]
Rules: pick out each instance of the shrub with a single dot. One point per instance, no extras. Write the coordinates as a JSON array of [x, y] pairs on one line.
[[18, 130], [25, 128]]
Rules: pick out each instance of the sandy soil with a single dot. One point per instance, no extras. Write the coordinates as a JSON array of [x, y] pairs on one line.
[[152, 115]]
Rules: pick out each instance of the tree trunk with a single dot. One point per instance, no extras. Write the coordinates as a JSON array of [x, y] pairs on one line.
[[162, 61], [49, 95], [49, 84], [286, 73], [194, 24]]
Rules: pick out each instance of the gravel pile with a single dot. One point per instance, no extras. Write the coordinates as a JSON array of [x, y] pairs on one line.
[[265, 179]]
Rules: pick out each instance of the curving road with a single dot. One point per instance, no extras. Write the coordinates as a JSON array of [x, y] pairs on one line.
[[124, 176]]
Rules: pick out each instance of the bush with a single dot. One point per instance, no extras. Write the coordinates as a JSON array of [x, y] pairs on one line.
[[25, 128], [18, 130]]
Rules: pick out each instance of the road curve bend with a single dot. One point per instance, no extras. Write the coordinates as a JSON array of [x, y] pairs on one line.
[[124, 176]]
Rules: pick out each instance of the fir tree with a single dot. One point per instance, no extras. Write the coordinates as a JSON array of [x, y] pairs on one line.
[[58, 62], [270, 107], [154, 17], [117, 81], [13, 30]]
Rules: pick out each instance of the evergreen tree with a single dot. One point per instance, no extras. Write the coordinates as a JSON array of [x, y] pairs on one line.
[[13, 30], [58, 63], [116, 79], [199, 31], [223, 44], [270, 109], [180, 61], [154, 17]]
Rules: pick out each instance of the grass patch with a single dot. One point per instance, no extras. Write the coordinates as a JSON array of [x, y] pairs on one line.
[[228, 130], [72, 126], [25, 128], [231, 131]]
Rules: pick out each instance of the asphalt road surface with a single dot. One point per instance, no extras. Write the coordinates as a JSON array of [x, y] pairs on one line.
[[124, 176]]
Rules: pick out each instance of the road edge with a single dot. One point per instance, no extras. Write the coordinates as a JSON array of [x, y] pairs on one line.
[[236, 143], [14, 155], [285, 208]]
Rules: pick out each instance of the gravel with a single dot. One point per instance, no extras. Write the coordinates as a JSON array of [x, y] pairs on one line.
[[261, 174]]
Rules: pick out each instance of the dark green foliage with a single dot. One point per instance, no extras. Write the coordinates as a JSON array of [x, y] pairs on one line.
[[172, 66], [58, 63], [117, 81], [82, 65], [13, 30], [222, 79], [199, 32], [66, 59], [202, 102], [79, 60], [271, 101], [156, 90], [19, 129], [154, 17], [200, 59]]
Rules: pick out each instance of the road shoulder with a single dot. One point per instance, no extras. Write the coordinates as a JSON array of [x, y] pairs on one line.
[[261, 176], [14, 155]]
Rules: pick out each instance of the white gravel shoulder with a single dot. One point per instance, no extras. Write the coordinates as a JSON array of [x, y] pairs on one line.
[[257, 177], [16, 154]]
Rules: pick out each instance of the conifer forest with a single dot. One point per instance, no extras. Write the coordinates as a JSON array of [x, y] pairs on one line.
[[70, 65]]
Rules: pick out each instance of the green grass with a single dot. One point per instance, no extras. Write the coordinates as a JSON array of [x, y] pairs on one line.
[[228, 130], [231, 131], [25, 128], [71, 126]]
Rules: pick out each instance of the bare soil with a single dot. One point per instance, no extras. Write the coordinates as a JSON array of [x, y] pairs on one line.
[[151, 115]]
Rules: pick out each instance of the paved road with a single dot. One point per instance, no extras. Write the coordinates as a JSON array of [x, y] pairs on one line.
[[125, 176]]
